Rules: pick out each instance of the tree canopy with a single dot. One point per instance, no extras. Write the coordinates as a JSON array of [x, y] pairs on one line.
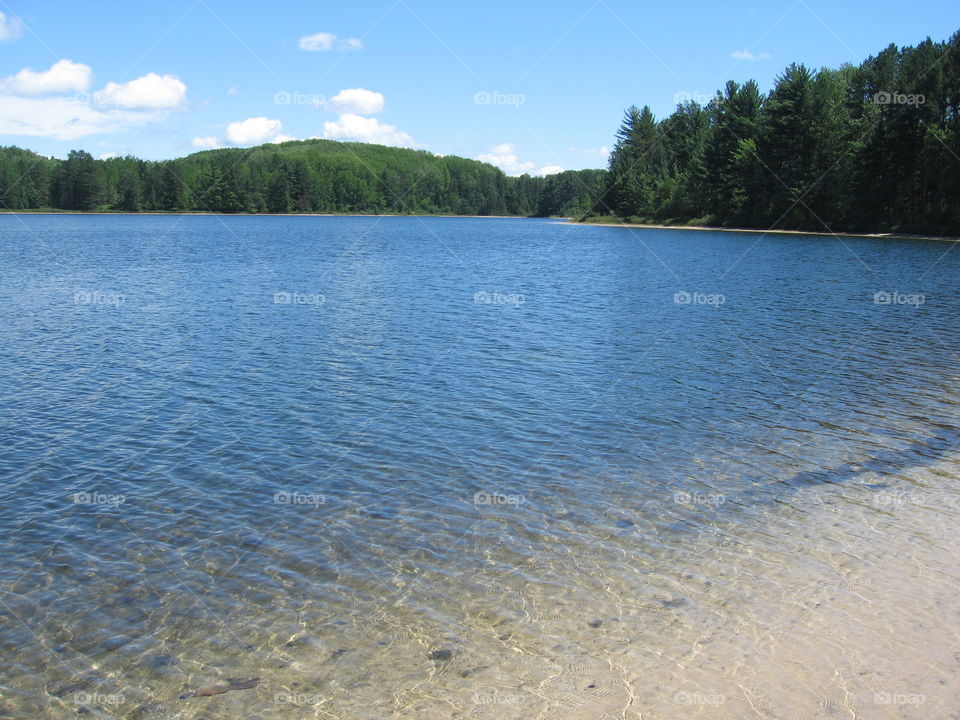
[[874, 147], [297, 176]]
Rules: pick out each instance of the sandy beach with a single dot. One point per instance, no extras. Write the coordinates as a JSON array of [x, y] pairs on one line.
[[891, 236]]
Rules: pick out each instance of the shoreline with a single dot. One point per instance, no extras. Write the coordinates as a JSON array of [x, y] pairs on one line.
[[875, 236], [558, 220], [246, 214]]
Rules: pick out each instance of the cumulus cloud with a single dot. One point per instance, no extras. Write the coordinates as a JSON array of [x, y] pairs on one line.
[[63, 118], [10, 28], [358, 101], [505, 157], [747, 55], [322, 42], [319, 42], [205, 143], [150, 92], [63, 76], [36, 103], [366, 129], [254, 131]]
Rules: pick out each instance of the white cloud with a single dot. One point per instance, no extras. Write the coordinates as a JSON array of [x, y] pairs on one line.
[[364, 129], [206, 142], [63, 118], [358, 101], [150, 92], [253, 131], [317, 43], [117, 107], [505, 157], [747, 55], [10, 28], [321, 42], [108, 155], [234, 90], [63, 76]]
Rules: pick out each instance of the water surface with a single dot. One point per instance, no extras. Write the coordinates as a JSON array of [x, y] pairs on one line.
[[439, 467]]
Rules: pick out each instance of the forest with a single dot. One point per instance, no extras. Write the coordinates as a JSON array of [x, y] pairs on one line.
[[319, 176], [874, 147]]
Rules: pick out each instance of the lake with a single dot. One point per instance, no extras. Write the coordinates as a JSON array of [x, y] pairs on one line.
[[487, 468]]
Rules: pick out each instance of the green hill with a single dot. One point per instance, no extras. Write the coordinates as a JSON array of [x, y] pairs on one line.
[[297, 176]]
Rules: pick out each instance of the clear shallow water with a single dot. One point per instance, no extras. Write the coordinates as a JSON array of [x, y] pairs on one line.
[[699, 509]]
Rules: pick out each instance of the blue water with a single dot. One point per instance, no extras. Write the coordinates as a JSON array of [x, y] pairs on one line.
[[279, 423]]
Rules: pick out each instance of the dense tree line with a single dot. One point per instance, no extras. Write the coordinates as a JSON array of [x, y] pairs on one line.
[[874, 147], [297, 176]]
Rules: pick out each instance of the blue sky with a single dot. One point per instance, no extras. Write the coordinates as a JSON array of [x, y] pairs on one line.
[[531, 86]]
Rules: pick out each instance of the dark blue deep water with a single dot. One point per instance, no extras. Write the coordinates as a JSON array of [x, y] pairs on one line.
[[227, 440]]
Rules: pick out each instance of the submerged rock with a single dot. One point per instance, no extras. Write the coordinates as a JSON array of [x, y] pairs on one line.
[[75, 685], [148, 711], [442, 655], [162, 661], [231, 684]]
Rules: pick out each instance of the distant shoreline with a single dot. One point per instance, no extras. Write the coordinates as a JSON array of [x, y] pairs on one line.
[[559, 220], [881, 236], [5, 211]]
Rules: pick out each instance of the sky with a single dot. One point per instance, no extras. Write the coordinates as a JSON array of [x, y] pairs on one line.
[[528, 85]]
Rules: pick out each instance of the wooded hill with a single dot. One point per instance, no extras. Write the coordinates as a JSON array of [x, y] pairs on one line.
[[296, 176]]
